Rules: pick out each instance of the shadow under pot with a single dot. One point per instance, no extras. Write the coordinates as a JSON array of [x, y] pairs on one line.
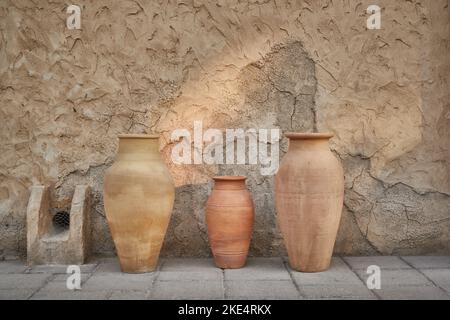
[[229, 217], [138, 196]]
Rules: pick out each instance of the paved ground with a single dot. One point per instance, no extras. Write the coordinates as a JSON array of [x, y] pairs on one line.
[[424, 277]]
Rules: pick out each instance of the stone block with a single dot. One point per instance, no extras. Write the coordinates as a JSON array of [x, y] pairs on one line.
[[48, 245]]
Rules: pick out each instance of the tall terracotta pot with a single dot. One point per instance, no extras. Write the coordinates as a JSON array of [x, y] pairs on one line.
[[229, 217], [309, 194], [138, 196]]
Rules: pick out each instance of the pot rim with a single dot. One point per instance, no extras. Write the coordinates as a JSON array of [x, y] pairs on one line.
[[308, 135], [138, 136], [229, 178]]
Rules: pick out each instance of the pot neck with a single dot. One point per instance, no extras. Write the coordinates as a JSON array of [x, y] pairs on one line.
[[229, 183], [318, 144], [138, 148]]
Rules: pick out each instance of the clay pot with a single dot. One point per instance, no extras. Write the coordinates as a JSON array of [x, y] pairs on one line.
[[229, 216], [138, 196], [309, 194]]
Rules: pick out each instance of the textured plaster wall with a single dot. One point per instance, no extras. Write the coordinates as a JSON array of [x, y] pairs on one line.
[[154, 66]]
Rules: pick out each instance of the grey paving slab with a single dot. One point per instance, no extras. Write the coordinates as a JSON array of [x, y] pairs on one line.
[[16, 266], [16, 294], [187, 264], [59, 269], [338, 274], [59, 282], [412, 293], [441, 277], [398, 278], [119, 281], [428, 262], [336, 264], [23, 281], [384, 262], [110, 265], [341, 291], [70, 295], [129, 295], [175, 290], [261, 289], [63, 277], [184, 269], [211, 274], [261, 278], [259, 269]]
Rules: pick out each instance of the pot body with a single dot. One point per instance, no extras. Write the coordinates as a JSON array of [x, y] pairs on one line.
[[229, 217], [309, 194], [138, 197]]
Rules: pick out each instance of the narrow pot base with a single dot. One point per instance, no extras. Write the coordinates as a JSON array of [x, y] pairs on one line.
[[230, 261], [137, 271], [138, 267], [313, 268]]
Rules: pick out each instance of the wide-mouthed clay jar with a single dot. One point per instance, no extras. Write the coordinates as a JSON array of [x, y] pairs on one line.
[[309, 194], [138, 196], [229, 217]]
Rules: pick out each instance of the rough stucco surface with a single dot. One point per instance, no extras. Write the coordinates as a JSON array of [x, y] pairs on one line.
[[155, 66]]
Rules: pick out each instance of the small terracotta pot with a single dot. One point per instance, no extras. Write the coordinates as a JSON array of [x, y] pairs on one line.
[[309, 190], [229, 216]]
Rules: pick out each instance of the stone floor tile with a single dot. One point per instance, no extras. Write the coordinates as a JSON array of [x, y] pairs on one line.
[[70, 295], [110, 265], [16, 294], [338, 274], [128, 295], [210, 274], [259, 269], [441, 277], [398, 278], [58, 282], [23, 281], [428, 262], [384, 262], [60, 269], [176, 290], [357, 292], [412, 293], [15, 266], [119, 281], [261, 289], [188, 264], [336, 264]]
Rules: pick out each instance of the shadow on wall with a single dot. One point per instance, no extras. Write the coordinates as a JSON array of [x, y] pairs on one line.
[[276, 91]]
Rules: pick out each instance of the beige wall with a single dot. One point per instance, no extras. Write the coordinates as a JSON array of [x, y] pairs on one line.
[[139, 66]]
